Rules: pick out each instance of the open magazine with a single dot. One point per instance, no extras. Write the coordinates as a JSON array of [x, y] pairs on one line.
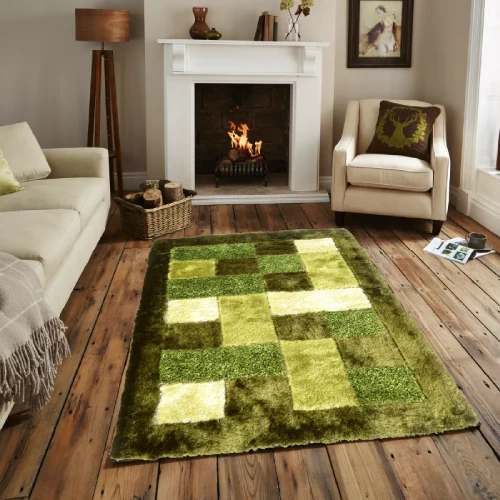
[[454, 250]]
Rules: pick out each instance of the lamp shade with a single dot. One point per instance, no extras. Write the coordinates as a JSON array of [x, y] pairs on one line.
[[102, 25]]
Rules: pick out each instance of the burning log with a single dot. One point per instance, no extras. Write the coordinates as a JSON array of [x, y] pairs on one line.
[[233, 154], [152, 198]]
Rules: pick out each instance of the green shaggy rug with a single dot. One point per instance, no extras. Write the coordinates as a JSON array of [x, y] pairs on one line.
[[249, 341]]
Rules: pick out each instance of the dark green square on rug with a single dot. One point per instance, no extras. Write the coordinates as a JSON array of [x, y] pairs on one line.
[[248, 346], [227, 267], [288, 282]]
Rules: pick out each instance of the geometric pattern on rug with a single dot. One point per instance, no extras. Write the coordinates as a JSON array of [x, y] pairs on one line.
[[300, 330]]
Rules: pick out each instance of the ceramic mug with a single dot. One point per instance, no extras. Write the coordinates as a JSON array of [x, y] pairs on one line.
[[476, 241]]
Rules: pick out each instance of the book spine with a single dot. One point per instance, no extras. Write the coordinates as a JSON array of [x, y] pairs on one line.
[[275, 32], [266, 27], [260, 29], [270, 35]]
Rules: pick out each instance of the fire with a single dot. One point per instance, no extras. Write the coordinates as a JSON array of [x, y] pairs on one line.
[[241, 142]]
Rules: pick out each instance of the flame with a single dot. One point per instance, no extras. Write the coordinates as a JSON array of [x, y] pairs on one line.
[[241, 142]]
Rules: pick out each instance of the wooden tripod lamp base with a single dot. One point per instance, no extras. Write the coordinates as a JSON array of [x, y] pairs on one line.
[[104, 25]]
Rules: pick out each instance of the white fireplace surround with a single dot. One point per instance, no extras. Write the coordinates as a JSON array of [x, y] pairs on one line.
[[299, 64]]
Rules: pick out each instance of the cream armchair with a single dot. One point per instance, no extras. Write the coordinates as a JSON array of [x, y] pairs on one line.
[[388, 184]]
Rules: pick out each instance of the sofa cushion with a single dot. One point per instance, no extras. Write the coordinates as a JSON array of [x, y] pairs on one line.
[[390, 172], [23, 153], [81, 194], [43, 235], [8, 183]]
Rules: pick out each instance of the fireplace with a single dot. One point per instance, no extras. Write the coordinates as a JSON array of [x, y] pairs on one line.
[[242, 132], [226, 95]]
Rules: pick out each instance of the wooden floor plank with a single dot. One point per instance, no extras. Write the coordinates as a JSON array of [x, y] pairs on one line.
[[294, 216], [246, 219], [319, 215], [362, 471], [420, 469], [222, 218], [200, 224], [480, 391], [28, 441], [194, 478], [270, 217], [248, 476], [472, 463], [79, 440], [305, 473], [125, 479]]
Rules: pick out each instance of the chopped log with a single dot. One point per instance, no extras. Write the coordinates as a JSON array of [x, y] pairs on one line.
[[233, 154], [152, 198], [172, 192], [135, 198]]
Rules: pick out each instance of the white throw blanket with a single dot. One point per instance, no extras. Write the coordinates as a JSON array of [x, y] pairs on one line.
[[32, 339]]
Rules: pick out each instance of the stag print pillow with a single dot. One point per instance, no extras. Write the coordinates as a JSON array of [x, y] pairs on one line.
[[403, 130]]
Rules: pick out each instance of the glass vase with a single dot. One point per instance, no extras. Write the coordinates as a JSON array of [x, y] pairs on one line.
[[200, 27], [293, 33]]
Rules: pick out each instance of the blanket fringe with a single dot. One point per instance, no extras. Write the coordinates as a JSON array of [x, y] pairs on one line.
[[28, 374]]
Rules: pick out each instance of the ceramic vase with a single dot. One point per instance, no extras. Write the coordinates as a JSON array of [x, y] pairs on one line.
[[200, 27]]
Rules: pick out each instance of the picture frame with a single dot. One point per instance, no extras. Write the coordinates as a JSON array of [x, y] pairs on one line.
[[380, 34]]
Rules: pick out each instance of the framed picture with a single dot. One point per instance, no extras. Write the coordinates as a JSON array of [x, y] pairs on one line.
[[380, 33]]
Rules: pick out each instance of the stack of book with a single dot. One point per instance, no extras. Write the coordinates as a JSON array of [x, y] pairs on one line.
[[267, 28]]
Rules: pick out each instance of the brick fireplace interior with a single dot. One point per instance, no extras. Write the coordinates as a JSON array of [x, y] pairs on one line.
[[264, 108]]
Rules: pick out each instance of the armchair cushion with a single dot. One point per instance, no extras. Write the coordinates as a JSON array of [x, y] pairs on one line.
[[403, 130], [390, 172]]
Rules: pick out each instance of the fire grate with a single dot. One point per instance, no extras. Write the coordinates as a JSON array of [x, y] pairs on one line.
[[228, 168]]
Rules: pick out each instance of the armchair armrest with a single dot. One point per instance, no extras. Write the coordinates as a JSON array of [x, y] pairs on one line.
[[440, 163], [78, 162], [343, 154]]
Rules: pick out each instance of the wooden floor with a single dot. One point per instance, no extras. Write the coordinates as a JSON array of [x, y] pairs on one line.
[[63, 451]]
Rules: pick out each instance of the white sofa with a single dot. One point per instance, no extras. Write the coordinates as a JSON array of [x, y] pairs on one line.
[[389, 184], [55, 223]]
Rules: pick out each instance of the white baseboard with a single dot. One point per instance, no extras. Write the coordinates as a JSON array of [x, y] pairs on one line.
[[486, 213], [326, 183], [453, 196]]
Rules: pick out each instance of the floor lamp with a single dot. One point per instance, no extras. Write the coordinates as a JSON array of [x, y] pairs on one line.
[[104, 25]]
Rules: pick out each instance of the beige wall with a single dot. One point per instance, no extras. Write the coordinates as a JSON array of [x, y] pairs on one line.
[[45, 74], [236, 20]]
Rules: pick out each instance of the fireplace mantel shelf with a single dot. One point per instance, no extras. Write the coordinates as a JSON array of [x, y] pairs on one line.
[[188, 41]]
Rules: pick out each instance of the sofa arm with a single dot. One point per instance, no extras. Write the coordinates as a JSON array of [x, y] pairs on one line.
[[440, 163], [78, 162], [344, 153]]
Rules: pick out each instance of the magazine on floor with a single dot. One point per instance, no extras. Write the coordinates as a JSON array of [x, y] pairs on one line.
[[455, 250]]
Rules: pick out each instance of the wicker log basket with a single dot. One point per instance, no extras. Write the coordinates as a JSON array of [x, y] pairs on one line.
[[148, 224]]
